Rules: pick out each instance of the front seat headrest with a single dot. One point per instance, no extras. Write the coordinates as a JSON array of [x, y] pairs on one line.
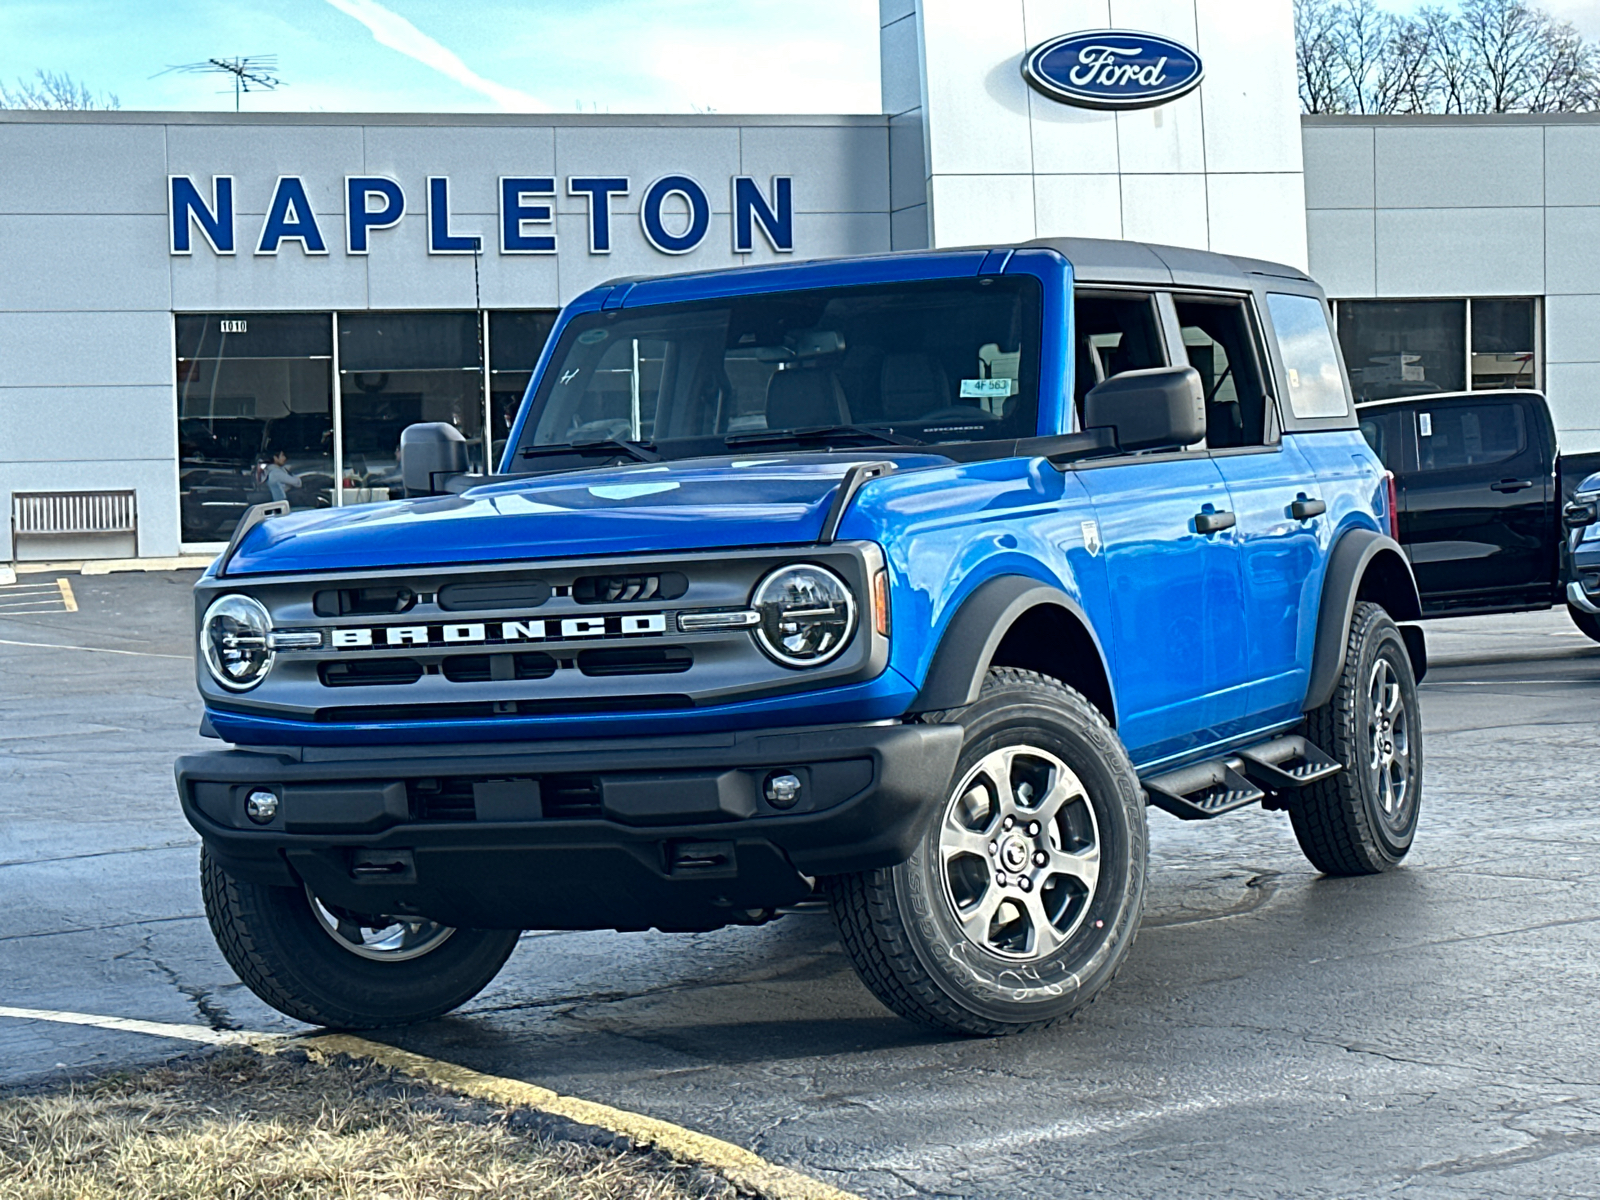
[[802, 398]]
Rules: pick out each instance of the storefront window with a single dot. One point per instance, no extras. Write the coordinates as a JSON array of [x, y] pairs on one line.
[[516, 340], [396, 369], [255, 405], [1404, 347], [1413, 347], [1503, 353]]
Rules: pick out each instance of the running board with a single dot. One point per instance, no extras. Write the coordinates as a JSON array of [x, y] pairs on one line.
[[1270, 772]]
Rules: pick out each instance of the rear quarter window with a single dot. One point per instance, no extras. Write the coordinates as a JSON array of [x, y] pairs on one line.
[[1316, 385]]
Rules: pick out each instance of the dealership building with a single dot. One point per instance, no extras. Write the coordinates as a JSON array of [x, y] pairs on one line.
[[184, 295]]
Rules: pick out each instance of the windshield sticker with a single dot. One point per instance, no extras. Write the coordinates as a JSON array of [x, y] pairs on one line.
[[590, 336], [630, 491], [984, 389]]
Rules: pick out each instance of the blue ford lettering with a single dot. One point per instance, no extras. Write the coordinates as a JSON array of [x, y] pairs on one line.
[[1112, 69], [896, 586]]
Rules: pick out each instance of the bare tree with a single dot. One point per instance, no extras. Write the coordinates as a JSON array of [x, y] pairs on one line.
[[49, 90], [1485, 56]]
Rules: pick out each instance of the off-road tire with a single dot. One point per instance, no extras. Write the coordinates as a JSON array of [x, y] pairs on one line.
[[1339, 821], [275, 945], [1587, 623], [900, 930]]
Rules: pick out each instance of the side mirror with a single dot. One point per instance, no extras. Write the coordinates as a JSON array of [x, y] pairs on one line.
[[1159, 408], [430, 453]]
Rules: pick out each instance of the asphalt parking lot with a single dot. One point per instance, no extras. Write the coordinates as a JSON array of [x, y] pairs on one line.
[[1431, 1031]]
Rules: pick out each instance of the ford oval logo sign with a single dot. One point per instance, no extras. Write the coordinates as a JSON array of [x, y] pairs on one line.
[[1108, 68]]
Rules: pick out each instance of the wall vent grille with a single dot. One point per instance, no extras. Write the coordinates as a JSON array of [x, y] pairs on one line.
[[52, 513]]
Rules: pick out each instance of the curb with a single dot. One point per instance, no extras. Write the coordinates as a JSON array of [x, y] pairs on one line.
[[740, 1167]]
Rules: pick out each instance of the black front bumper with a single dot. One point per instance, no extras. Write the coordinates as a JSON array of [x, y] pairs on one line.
[[669, 833]]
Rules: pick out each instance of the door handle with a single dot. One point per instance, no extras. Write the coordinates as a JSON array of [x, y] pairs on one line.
[[1303, 509], [1214, 522], [1511, 485]]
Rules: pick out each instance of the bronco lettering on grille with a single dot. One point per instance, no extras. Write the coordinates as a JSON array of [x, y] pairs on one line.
[[549, 629]]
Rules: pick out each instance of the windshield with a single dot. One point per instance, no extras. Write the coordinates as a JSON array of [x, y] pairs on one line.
[[949, 360]]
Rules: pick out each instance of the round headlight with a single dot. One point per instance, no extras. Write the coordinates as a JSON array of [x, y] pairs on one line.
[[233, 641], [807, 615]]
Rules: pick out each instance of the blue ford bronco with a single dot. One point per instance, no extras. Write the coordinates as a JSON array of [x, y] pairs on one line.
[[898, 585]]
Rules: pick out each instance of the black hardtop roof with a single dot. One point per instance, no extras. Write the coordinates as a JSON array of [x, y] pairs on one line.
[[1103, 260]]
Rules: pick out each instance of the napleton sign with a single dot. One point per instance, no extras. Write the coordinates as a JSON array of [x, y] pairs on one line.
[[526, 220]]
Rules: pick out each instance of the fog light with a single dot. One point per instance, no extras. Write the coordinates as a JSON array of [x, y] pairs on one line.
[[783, 789], [261, 807]]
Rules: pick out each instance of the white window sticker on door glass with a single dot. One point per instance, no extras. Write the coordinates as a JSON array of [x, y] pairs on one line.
[[1425, 424], [1316, 387]]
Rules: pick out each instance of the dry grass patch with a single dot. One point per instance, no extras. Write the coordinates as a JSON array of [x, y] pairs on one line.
[[238, 1124]]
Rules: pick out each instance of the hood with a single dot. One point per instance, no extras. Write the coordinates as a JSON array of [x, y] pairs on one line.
[[697, 504]]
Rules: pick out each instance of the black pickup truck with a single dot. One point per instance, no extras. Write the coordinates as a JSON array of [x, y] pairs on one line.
[[1481, 498]]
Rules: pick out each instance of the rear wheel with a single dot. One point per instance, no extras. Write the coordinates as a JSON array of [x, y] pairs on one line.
[[1588, 623], [1362, 820], [1023, 897], [329, 966]]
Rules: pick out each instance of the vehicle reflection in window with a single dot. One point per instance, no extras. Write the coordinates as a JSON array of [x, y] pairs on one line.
[[255, 391]]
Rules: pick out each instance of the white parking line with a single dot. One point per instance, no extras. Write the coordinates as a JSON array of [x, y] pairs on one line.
[[186, 1033], [96, 650]]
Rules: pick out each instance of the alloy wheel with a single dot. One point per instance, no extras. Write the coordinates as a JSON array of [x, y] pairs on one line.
[[380, 939], [1019, 853], [1389, 743]]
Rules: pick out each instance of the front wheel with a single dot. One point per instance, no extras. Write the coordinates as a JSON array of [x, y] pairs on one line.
[[1588, 623], [328, 966], [1023, 896], [1363, 819]]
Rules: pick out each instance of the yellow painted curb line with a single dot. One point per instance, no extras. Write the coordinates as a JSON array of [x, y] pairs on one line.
[[738, 1166]]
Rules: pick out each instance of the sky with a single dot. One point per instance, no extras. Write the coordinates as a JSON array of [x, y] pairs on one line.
[[668, 56]]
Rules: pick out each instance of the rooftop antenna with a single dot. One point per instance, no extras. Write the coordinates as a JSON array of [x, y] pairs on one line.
[[251, 73]]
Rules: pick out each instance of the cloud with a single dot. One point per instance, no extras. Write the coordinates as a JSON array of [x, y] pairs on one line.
[[394, 31]]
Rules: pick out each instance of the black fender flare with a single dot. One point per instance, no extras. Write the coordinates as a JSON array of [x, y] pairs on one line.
[[1358, 553], [974, 633]]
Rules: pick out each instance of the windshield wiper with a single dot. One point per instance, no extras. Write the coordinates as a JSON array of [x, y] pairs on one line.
[[638, 451], [820, 433]]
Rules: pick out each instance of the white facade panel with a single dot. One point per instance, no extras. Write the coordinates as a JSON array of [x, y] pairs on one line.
[[1250, 89], [1339, 167], [1163, 141], [1261, 216], [1572, 331], [55, 424], [405, 275], [632, 255], [1342, 247], [290, 279], [709, 156], [977, 102], [972, 209], [1571, 389], [256, 155], [840, 168], [81, 263], [1165, 208], [1073, 140], [1460, 251], [1087, 205], [900, 80], [85, 349], [829, 235], [1478, 166], [472, 159], [1572, 249], [82, 169], [1571, 164]]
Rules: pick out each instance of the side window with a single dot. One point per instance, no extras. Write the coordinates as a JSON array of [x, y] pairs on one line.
[[1384, 432], [1219, 342], [1316, 388], [1469, 435], [1115, 332]]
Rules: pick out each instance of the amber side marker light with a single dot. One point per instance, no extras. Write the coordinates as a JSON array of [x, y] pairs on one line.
[[880, 602]]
